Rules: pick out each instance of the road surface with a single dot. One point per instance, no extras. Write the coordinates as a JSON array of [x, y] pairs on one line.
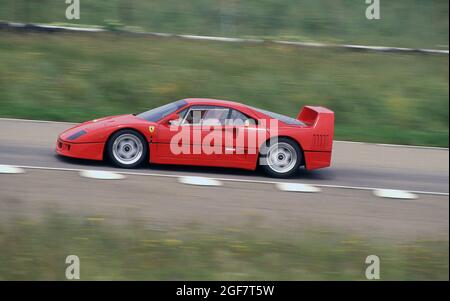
[[163, 201]]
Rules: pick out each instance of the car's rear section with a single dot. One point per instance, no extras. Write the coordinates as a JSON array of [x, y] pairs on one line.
[[317, 142]]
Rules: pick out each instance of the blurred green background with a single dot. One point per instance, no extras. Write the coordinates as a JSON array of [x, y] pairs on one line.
[[377, 97], [36, 250], [407, 23]]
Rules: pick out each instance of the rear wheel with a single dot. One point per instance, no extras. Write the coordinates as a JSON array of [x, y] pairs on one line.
[[281, 157], [127, 149]]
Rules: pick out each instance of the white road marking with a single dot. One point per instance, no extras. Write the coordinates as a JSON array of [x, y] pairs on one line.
[[35, 120], [338, 141], [393, 145], [101, 175], [9, 169], [228, 179], [411, 146], [394, 194], [239, 40], [87, 29], [297, 187], [218, 39], [199, 181]]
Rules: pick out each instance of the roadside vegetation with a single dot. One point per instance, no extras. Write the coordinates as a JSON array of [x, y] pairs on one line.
[[403, 23], [37, 249], [377, 97]]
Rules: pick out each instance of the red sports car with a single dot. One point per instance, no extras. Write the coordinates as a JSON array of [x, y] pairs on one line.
[[207, 132]]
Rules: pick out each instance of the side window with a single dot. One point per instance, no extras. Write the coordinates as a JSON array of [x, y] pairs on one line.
[[180, 119], [182, 113], [206, 115], [238, 118]]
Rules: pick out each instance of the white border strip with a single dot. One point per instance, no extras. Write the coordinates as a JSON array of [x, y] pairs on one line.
[[229, 179], [9, 169], [297, 187], [198, 181], [394, 194], [37, 26], [393, 145], [35, 120], [101, 175]]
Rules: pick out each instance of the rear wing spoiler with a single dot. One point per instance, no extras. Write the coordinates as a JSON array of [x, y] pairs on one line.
[[321, 122], [319, 118], [318, 148]]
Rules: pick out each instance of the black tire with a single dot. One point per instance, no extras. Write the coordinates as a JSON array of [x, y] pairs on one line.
[[291, 148], [129, 139]]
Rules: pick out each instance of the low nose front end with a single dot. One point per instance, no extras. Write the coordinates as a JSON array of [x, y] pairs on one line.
[[75, 143]]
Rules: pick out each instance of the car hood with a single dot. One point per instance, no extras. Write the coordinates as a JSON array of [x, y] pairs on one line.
[[98, 129]]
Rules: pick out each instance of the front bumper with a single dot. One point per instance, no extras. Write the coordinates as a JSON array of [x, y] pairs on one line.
[[92, 151]]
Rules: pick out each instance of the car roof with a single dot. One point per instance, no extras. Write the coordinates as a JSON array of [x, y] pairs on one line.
[[236, 105], [211, 101]]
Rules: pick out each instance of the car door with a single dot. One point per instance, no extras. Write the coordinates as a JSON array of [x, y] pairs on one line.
[[207, 128], [167, 141], [242, 136], [197, 139]]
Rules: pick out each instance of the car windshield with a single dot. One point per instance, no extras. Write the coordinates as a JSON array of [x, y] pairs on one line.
[[159, 113], [282, 118]]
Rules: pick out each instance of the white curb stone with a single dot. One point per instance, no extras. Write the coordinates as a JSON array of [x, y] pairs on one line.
[[297, 187], [394, 194], [199, 181], [8, 169], [101, 175]]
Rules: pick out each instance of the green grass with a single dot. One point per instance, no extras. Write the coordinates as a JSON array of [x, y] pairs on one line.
[[405, 23], [36, 250], [377, 97]]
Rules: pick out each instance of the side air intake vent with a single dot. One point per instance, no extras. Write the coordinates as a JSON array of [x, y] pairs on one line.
[[321, 141]]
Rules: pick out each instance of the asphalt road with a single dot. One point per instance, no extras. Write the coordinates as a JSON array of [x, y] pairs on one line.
[[353, 164], [163, 201]]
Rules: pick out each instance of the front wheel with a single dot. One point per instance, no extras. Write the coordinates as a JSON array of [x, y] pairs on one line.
[[127, 149], [281, 157]]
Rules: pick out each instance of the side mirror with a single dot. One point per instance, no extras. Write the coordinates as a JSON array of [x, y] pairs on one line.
[[173, 119]]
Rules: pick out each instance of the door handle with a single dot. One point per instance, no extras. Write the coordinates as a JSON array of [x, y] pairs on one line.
[[234, 130]]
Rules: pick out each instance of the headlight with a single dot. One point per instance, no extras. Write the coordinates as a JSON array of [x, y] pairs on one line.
[[76, 135]]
